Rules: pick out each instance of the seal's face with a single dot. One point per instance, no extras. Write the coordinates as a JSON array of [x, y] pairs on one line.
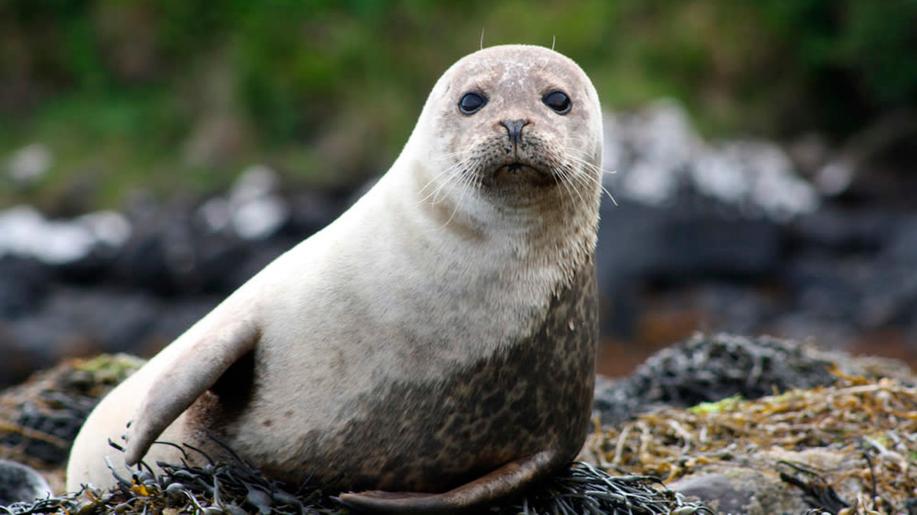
[[516, 119]]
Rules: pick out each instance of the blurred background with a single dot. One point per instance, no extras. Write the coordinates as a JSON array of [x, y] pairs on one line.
[[155, 154]]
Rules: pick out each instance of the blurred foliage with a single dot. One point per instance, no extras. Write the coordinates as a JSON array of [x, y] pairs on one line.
[[179, 95]]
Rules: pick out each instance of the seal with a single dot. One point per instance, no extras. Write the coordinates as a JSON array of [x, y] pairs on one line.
[[433, 348]]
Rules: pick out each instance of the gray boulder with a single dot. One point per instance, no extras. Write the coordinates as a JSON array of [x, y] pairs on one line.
[[19, 483]]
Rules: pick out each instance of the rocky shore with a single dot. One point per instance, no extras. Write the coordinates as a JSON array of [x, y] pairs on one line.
[[717, 422]]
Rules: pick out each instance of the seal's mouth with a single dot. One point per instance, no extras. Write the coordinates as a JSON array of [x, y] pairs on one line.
[[518, 168], [519, 173]]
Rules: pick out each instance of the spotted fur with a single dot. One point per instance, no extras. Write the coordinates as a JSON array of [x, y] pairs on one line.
[[416, 343]]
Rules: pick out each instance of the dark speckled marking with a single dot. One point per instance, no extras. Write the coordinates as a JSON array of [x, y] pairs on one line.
[[533, 396], [430, 437]]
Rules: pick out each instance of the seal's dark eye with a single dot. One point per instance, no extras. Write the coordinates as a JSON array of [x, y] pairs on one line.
[[471, 102], [558, 101]]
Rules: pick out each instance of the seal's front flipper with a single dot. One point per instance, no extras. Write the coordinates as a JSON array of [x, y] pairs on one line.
[[504, 481], [193, 372]]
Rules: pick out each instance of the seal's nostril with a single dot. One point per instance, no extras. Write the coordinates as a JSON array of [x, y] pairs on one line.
[[514, 129]]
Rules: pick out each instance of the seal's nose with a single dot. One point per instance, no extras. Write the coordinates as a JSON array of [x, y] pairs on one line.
[[514, 129]]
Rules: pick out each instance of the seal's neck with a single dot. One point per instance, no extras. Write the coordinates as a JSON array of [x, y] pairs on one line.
[[553, 227]]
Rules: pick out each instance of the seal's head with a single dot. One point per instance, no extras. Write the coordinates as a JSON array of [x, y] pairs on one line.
[[514, 121]]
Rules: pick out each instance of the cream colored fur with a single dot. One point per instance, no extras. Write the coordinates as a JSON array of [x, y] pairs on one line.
[[333, 312]]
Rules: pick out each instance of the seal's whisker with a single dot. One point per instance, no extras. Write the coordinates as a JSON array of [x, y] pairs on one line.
[[570, 177], [580, 156], [574, 182], [464, 185], [446, 176], [604, 189], [457, 174], [568, 188], [431, 181], [589, 180]]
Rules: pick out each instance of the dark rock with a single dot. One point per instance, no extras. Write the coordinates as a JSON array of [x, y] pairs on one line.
[[828, 286], [312, 211], [710, 368], [75, 322], [736, 308], [738, 490], [843, 230], [689, 240], [174, 318], [160, 255], [93, 267], [692, 240], [19, 483], [717, 491], [902, 245], [24, 282], [257, 257]]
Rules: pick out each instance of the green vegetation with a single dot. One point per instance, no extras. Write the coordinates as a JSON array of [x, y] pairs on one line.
[[720, 406], [178, 96]]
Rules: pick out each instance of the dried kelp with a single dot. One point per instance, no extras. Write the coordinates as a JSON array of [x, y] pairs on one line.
[[864, 430]]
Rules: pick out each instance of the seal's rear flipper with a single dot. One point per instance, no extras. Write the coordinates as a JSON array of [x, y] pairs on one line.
[[193, 372], [504, 481]]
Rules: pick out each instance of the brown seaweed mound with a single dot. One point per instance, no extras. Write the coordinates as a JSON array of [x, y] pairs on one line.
[[850, 447], [40, 418]]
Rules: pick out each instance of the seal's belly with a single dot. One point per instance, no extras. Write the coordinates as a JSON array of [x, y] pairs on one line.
[[528, 397], [433, 435]]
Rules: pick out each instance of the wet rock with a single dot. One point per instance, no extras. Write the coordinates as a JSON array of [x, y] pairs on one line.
[[29, 164], [256, 211], [873, 166], [252, 210], [75, 322], [843, 230], [687, 241], [656, 154], [172, 253], [26, 232], [24, 283], [19, 483], [692, 240], [902, 243], [312, 211], [738, 490]]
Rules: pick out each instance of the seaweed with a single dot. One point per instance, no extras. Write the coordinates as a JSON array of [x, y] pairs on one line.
[[236, 487], [868, 427]]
